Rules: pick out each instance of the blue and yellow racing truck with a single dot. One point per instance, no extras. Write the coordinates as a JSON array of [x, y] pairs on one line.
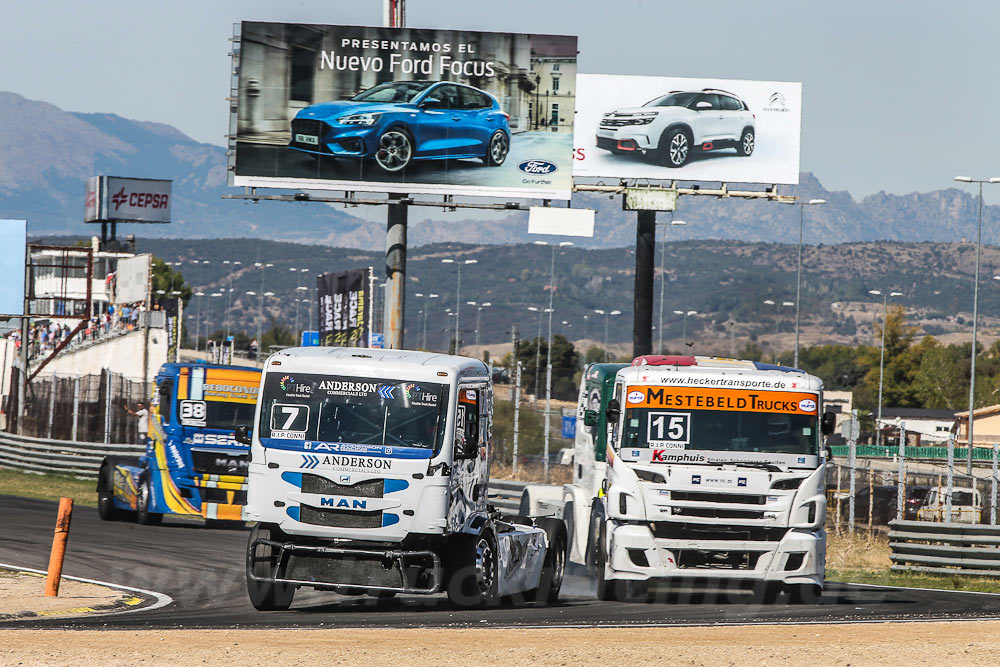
[[192, 464]]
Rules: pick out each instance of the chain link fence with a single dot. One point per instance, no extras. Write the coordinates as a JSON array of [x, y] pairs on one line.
[[88, 408]]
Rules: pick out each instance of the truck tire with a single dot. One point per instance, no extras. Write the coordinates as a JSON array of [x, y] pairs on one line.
[[105, 494], [142, 503], [554, 566], [804, 593], [473, 577], [616, 590], [266, 595]]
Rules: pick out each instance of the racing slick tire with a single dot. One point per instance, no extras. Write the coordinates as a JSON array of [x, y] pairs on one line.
[[474, 574], [105, 494], [554, 565], [261, 562], [142, 503]]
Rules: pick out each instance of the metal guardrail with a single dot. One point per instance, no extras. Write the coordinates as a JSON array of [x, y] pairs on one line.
[[505, 495], [945, 548], [63, 457], [891, 451]]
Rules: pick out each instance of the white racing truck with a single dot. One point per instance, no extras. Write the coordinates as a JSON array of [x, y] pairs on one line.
[[696, 470], [368, 474]]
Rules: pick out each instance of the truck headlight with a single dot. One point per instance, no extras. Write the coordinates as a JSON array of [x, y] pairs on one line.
[[364, 119]]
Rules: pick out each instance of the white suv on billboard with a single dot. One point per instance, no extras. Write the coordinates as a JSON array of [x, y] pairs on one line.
[[676, 125]]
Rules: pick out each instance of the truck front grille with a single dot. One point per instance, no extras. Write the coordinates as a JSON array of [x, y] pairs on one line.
[[709, 497], [671, 530], [220, 463], [717, 513], [332, 518], [704, 559], [372, 488]]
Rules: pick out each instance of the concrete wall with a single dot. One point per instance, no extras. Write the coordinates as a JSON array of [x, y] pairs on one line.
[[122, 355]]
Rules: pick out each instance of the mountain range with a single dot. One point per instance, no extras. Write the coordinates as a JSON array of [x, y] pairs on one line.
[[47, 153]]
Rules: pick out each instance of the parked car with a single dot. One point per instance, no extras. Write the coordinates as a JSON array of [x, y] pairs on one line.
[[679, 124], [884, 509], [399, 122]]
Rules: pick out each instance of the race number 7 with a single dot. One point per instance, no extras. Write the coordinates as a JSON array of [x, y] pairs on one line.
[[289, 417], [674, 427]]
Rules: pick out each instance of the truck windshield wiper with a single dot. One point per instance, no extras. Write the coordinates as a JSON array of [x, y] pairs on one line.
[[770, 467]]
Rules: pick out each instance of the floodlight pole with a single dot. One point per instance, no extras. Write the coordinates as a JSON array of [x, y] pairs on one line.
[[394, 16]]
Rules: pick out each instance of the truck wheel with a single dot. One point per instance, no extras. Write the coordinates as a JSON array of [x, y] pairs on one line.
[[804, 593], [261, 562], [554, 566], [605, 588], [142, 503], [473, 580], [105, 495]]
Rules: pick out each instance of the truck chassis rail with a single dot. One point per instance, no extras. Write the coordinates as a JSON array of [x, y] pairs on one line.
[[397, 558]]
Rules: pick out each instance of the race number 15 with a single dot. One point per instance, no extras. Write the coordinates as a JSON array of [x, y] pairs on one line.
[[671, 430]]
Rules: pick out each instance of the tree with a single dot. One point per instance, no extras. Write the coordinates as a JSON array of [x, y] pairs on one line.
[[565, 363], [167, 280], [900, 365], [750, 351], [942, 377]]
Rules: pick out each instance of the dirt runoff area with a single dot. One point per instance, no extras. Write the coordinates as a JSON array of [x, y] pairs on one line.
[[22, 595], [958, 643]]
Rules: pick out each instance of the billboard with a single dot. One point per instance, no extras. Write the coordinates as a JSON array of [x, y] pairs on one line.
[[343, 315], [13, 242], [111, 198], [403, 110], [132, 279], [174, 311], [670, 128]]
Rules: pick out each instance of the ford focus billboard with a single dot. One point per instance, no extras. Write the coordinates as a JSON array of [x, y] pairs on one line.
[[687, 129], [403, 110]]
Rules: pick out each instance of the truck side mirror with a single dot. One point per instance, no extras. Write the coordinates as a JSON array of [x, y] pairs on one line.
[[828, 422], [590, 417], [613, 411], [244, 435]]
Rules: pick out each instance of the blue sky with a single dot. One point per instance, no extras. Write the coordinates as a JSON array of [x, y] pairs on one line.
[[898, 96]]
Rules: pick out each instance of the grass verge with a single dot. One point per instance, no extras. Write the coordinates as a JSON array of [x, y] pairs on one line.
[[48, 487]]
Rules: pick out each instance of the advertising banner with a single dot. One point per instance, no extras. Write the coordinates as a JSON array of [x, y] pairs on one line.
[[132, 278], [670, 128], [403, 110], [13, 244], [110, 198], [343, 321], [173, 309]]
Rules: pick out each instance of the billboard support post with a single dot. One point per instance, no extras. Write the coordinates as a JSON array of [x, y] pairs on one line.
[[395, 271], [642, 315]]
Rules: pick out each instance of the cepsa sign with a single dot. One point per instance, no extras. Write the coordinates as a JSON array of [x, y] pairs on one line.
[[738, 400], [127, 200]]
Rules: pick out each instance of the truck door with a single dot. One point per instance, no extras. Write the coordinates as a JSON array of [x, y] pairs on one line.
[[470, 472]]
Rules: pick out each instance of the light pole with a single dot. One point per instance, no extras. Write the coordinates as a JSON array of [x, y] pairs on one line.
[[260, 322], [212, 295], [424, 332], [776, 305], [585, 326], [607, 316], [663, 282], [229, 293], [685, 313], [298, 287], [458, 292], [881, 361], [538, 346], [975, 311], [197, 329], [798, 272], [548, 350], [479, 309], [199, 264]]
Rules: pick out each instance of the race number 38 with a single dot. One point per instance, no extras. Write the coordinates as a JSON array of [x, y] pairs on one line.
[[670, 430], [193, 413]]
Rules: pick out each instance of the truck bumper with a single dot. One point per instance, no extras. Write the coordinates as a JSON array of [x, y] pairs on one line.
[[636, 554], [415, 572]]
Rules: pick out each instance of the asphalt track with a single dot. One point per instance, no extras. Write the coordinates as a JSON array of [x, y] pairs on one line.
[[202, 570]]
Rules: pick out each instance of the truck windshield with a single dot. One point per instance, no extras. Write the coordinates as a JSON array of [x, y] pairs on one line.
[[721, 431], [227, 416], [370, 411]]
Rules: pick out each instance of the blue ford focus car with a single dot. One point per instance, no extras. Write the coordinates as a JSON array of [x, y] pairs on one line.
[[399, 122]]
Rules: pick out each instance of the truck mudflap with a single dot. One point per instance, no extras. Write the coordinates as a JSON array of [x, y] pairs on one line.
[[413, 572]]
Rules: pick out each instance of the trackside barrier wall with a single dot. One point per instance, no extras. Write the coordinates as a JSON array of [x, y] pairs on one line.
[[63, 457], [945, 548]]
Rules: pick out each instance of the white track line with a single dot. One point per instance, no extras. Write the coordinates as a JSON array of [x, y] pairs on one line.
[[162, 599]]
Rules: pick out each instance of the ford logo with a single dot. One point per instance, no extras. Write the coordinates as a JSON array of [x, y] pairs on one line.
[[537, 167]]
